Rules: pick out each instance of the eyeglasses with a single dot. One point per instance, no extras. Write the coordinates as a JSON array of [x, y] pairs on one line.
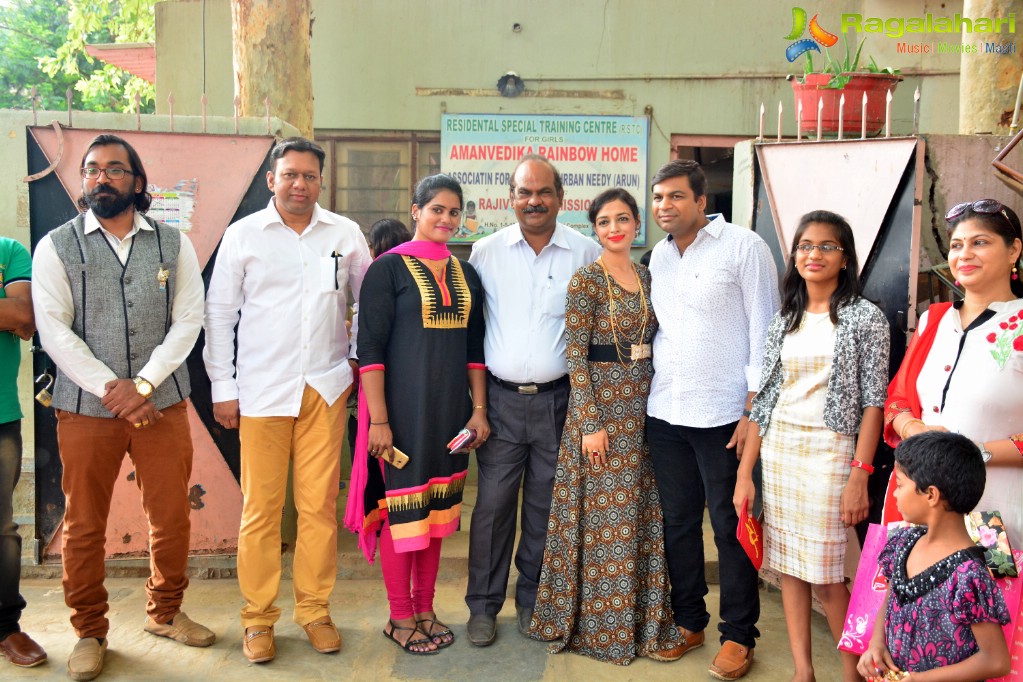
[[92, 173], [823, 248], [985, 206]]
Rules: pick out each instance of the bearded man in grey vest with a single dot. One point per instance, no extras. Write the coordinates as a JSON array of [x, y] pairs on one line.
[[119, 305]]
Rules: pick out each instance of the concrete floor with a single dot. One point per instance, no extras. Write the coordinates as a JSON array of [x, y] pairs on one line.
[[360, 610]]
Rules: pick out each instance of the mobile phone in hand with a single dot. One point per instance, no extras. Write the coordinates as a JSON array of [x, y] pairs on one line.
[[460, 443], [396, 458]]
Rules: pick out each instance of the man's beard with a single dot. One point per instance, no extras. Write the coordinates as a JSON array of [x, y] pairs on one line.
[[107, 202]]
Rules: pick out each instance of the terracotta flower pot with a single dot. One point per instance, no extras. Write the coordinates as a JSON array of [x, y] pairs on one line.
[[876, 85]]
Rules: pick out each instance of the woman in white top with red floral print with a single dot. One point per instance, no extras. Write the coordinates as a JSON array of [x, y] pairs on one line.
[[970, 381]]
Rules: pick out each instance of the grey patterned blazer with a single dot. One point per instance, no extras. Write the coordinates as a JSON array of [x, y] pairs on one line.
[[859, 375]]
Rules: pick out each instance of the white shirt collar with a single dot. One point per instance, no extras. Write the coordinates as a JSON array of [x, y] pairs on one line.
[[273, 217], [92, 224], [996, 306], [716, 225], [513, 234], [713, 228]]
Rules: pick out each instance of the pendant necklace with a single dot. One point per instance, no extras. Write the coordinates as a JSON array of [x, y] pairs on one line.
[[635, 351]]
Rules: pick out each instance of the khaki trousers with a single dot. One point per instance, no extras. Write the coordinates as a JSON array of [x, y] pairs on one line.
[[313, 443], [91, 449]]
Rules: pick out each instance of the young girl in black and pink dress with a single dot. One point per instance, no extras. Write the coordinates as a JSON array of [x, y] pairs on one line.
[[943, 612]]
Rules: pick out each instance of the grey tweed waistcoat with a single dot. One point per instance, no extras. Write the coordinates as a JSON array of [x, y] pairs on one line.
[[120, 311]]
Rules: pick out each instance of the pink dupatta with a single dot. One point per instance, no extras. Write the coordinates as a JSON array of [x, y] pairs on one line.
[[355, 510]]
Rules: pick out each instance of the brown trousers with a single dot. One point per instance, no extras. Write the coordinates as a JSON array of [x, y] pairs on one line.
[[91, 449]]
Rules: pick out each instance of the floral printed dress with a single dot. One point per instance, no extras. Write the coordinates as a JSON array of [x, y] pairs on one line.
[[929, 615], [604, 589]]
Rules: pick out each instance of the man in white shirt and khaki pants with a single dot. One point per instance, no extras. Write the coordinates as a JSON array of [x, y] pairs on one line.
[[714, 289], [118, 306], [285, 271]]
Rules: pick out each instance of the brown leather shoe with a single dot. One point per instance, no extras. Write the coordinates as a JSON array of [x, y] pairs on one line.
[[258, 643], [690, 641], [323, 635], [22, 651], [732, 662]]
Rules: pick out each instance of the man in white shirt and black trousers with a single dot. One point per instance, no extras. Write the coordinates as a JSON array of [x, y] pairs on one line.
[[284, 272], [525, 269], [715, 289], [118, 305]]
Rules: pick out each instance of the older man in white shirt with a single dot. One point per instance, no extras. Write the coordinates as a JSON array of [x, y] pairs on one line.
[[715, 289], [284, 272], [525, 269]]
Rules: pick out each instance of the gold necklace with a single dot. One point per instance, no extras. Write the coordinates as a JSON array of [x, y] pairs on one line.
[[438, 272], [630, 347], [620, 279]]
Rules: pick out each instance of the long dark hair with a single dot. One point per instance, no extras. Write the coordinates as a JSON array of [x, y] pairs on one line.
[[143, 199], [1005, 224], [793, 286]]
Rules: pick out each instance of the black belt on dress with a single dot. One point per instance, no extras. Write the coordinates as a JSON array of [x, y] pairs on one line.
[[603, 352], [531, 388]]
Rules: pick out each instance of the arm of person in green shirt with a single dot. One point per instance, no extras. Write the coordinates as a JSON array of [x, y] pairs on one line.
[[16, 310]]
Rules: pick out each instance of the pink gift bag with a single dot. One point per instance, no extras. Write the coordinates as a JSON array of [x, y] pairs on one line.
[[868, 592], [1012, 591]]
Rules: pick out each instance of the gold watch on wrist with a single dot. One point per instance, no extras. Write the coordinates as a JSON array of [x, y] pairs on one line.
[[144, 388]]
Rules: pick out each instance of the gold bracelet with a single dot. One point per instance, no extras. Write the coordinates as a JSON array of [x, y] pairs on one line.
[[902, 431], [479, 407]]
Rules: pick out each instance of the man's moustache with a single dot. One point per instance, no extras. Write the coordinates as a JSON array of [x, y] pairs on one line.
[[535, 209]]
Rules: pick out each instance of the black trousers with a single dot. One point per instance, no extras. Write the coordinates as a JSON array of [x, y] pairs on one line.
[[693, 469], [522, 452], [11, 603]]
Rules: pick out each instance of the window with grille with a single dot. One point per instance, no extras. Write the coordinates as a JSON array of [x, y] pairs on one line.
[[371, 178]]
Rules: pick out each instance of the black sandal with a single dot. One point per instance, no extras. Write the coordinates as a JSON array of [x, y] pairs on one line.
[[407, 646], [446, 632]]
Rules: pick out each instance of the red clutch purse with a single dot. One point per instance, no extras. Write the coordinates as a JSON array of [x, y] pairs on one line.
[[751, 537]]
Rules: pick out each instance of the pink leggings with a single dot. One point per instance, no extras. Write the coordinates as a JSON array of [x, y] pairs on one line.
[[404, 570]]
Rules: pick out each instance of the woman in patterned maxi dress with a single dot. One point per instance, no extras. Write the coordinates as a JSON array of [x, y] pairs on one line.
[[604, 586]]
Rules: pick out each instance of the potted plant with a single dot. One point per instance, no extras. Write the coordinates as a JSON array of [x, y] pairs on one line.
[[843, 77]]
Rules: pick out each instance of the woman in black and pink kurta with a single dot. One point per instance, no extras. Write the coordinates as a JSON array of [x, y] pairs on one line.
[[420, 345]]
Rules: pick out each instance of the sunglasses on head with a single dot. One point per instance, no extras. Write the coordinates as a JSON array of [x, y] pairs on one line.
[[985, 206]]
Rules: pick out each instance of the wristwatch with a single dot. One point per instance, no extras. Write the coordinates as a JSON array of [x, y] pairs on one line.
[[144, 388], [985, 454]]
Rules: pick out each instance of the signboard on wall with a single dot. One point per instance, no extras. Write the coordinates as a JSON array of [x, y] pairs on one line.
[[592, 153]]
